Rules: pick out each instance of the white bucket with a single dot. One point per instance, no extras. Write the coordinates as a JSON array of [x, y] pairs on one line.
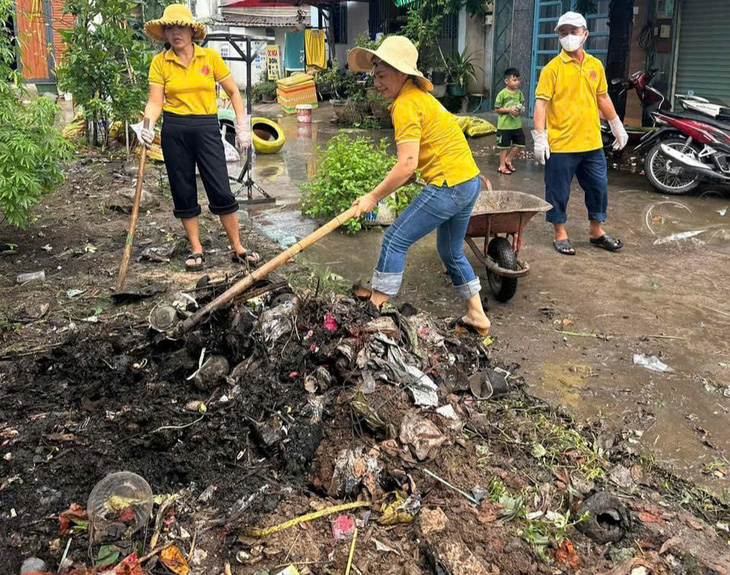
[[304, 113]]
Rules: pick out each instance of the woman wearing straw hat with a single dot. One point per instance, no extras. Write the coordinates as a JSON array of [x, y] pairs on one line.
[[182, 88], [428, 139]]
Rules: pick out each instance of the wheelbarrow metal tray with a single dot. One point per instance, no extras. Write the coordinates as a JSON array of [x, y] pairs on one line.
[[503, 212]]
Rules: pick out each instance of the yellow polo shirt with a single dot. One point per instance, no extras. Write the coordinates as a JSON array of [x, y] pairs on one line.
[[189, 90], [444, 155], [572, 89]]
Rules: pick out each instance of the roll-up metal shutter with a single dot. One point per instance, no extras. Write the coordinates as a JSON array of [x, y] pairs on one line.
[[703, 55]]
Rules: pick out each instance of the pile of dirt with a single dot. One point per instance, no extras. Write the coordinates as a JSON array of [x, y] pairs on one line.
[[282, 406]]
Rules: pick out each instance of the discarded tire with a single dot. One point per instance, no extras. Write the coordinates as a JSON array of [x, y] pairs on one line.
[[608, 519], [268, 137]]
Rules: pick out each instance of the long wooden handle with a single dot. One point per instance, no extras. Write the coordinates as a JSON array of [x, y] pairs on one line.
[[135, 214], [264, 270]]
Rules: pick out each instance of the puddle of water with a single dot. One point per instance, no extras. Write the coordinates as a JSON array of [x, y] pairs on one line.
[[566, 382]]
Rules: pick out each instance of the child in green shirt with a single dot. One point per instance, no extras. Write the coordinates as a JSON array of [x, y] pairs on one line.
[[509, 105]]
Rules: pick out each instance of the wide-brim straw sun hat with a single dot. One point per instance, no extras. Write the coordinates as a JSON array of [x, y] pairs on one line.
[[396, 51], [174, 15]]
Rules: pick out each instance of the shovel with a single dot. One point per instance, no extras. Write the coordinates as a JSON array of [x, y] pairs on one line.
[[119, 295], [260, 273]]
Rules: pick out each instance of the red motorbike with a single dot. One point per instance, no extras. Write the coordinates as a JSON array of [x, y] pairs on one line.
[[688, 147], [651, 100]]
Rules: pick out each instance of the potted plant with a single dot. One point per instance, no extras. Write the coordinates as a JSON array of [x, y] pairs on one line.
[[379, 107], [461, 70]]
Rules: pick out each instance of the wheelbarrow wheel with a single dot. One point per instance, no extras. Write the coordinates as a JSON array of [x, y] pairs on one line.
[[501, 252]]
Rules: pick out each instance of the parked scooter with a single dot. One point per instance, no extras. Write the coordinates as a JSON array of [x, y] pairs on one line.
[[689, 146], [651, 99]]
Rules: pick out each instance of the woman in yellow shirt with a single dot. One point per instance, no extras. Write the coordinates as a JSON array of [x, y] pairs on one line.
[[429, 140], [182, 88]]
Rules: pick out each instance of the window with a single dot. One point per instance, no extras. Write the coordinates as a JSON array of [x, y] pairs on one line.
[[338, 17]]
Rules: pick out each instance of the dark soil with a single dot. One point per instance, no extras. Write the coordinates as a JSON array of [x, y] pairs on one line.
[[81, 399]]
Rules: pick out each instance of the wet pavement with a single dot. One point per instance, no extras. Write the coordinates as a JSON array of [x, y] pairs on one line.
[[575, 323]]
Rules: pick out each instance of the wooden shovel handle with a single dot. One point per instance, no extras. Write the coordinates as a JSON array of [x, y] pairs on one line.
[[264, 270], [135, 214]]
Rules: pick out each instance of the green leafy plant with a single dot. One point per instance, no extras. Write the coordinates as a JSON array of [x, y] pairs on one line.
[[462, 68], [264, 89], [349, 168], [105, 65], [32, 149]]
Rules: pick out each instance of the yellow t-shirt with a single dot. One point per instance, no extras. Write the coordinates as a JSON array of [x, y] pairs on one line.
[[189, 90], [572, 90], [444, 154]]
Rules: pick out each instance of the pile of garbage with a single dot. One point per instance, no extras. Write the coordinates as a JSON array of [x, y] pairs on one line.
[[293, 435]]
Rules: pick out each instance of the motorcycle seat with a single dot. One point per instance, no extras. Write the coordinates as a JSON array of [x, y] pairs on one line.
[[717, 123]]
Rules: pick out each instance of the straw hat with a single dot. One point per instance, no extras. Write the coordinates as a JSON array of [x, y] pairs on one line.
[[174, 15], [397, 51]]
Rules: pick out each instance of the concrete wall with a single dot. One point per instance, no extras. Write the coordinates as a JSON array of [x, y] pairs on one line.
[[474, 43], [522, 29]]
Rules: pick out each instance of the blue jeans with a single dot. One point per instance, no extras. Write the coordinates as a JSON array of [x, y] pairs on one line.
[[443, 208], [592, 173]]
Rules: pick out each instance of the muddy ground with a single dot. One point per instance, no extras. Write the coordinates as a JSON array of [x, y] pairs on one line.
[[87, 389]]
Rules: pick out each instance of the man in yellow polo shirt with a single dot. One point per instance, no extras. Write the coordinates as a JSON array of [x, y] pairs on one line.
[[571, 92]]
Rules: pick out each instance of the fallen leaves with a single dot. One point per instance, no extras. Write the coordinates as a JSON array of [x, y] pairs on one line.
[[174, 560], [565, 553], [75, 517]]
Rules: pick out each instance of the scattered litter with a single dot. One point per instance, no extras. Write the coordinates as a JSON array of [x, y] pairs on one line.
[[608, 518], [306, 518], [291, 570], [450, 486], [422, 435], [397, 508], [424, 390], [678, 237], [379, 546], [174, 560], [362, 409], [119, 505], [385, 325], [212, 373], [354, 468], [652, 363], [74, 518], [488, 384], [330, 323], [649, 217], [163, 318], [278, 322], [72, 293], [32, 276], [723, 211], [196, 405], [343, 528]]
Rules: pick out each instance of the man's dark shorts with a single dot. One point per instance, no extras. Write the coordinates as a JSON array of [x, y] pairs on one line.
[[508, 138]]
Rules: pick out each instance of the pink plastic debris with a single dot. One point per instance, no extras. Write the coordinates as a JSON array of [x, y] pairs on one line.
[[330, 323], [343, 528]]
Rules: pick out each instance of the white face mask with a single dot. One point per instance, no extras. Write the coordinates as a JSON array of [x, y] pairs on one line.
[[572, 42]]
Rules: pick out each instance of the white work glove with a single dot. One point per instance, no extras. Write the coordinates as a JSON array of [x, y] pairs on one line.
[[619, 132], [542, 150], [147, 135], [243, 135]]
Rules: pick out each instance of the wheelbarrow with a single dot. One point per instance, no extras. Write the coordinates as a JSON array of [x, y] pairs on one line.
[[506, 213]]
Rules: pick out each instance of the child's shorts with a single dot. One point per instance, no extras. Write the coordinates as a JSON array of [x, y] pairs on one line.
[[508, 138]]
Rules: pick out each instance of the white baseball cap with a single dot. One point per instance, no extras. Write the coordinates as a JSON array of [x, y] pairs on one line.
[[572, 19]]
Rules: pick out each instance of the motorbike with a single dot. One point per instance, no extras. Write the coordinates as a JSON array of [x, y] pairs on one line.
[[650, 98], [688, 146]]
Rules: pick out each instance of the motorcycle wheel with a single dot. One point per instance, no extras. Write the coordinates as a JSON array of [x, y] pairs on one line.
[[665, 177]]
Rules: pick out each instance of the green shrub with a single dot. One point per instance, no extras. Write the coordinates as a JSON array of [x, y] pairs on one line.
[[104, 66], [31, 148], [263, 89], [349, 168]]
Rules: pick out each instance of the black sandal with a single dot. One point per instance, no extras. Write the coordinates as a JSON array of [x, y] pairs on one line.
[[564, 247], [608, 243], [196, 267], [246, 258], [468, 327]]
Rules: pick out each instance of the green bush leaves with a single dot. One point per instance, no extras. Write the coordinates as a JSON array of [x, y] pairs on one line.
[[349, 168]]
